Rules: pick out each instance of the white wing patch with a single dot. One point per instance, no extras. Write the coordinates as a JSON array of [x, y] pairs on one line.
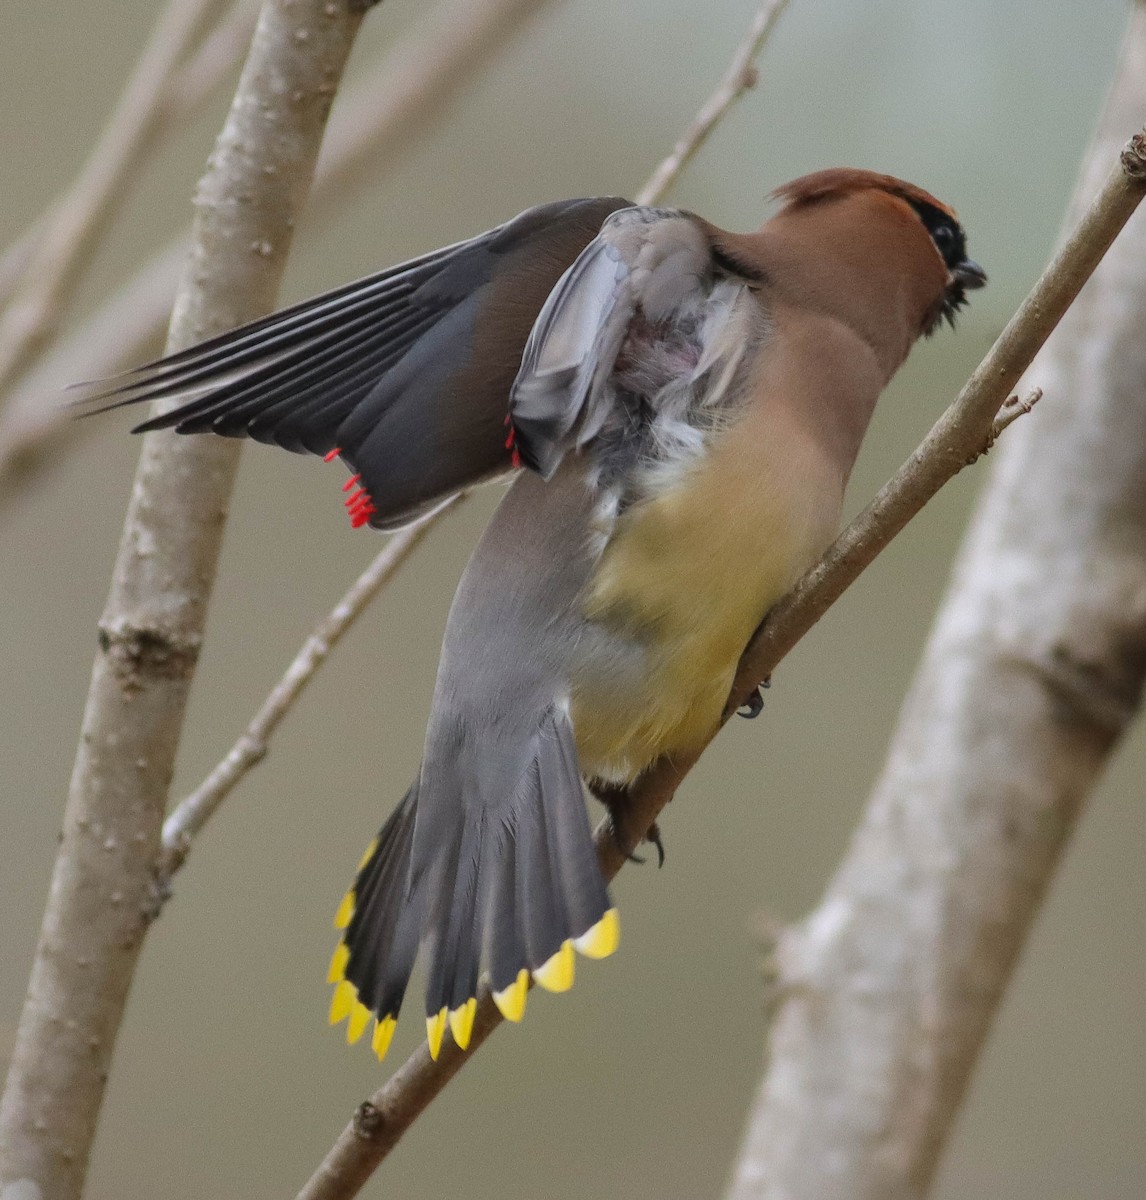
[[634, 343]]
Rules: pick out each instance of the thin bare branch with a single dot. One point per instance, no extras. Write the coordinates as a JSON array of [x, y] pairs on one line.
[[192, 813], [73, 229], [740, 76], [193, 83], [964, 429], [416, 81], [381, 1121], [102, 896], [1013, 408], [375, 120], [186, 90]]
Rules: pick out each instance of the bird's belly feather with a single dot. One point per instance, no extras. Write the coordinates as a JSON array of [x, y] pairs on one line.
[[680, 588]]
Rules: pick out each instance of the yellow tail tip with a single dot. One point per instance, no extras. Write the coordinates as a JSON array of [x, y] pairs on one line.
[[343, 1001], [556, 973], [367, 856], [602, 939], [345, 913], [359, 1018], [435, 1028], [336, 973], [462, 1023], [381, 1038], [510, 1001]]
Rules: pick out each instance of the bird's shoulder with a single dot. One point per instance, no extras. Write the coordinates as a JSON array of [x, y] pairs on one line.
[[647, 327]]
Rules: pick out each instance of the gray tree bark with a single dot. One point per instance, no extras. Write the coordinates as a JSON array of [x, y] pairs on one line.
[[1032, 673], [103, 890]]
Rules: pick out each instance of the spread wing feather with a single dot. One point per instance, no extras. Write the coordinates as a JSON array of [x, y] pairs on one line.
[[405, 373]]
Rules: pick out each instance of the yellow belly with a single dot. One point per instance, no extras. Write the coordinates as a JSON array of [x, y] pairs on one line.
[[687, 577]]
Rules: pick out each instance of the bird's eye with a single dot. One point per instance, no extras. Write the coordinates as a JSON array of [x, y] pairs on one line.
[[943, 236]]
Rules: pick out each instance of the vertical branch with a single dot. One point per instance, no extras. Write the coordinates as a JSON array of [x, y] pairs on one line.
[[103, 886], [1033, 671]]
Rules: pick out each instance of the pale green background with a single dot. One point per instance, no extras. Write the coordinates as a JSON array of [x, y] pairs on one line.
[[226, 1081]]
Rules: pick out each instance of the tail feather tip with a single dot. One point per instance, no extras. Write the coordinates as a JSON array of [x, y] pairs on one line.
[[336, 973], [462, 1023], [510, 1001], [343, 1001], [556, 973], [345, 912], [359, 1018], [435, 1030], [383, 1034], [602, 939]]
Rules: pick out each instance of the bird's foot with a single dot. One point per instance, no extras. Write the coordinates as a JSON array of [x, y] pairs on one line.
[[626, 846], [754, 705], [618, 802]]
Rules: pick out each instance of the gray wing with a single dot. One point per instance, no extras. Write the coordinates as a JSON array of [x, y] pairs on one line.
[[640, 327], [405, 374]]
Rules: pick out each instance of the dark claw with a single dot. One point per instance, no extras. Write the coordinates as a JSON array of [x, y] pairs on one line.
[[623, 844], [654, 838], [616, 800], [754, 705]]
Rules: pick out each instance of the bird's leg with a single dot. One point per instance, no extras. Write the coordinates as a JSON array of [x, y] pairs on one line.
[[618, 800], [754, 705]]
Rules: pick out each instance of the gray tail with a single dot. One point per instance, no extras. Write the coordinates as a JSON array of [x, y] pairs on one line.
[[513, 893]]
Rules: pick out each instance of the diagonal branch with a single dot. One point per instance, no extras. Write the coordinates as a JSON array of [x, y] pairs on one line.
[[186, 89], [192, 813], [102, 896], [72, 231], [740, 76], [962, 431]]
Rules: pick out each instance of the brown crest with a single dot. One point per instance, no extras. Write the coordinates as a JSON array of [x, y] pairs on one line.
[[845, 181]]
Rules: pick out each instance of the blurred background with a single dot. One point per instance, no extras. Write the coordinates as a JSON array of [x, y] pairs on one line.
[[635, 1084]]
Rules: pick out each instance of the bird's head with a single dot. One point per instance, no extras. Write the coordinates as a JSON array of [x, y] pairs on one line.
[[879, 196]]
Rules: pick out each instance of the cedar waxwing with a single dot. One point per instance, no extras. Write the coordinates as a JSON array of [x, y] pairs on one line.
[[689, 403]]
